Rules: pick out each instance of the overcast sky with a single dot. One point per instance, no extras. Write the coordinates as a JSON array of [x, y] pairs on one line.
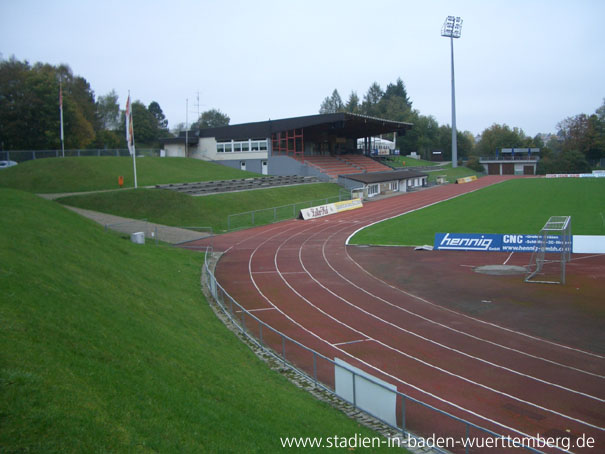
[[525, 63]]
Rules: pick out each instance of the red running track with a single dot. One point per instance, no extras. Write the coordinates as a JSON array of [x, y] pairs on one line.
[[298, 277]]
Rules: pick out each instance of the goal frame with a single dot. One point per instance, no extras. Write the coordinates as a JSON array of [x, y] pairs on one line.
[[556, 230]]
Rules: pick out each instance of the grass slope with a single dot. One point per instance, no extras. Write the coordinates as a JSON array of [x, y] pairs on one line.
[[109, 346], [172, 208], [54, 175], [452, 174], [406, 161], [515, 206]]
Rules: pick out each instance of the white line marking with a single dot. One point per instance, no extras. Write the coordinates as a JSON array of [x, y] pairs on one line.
[[407, 355], [494, 325], [506, 261], [427, 393], [258, 310], [353, 342]]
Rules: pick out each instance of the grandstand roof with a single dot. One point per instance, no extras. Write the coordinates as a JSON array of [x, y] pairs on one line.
[[342, 124]]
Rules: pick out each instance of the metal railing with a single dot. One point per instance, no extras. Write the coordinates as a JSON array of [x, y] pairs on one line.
[[271, 215], [28, 155], [415, 418], [516, 157]]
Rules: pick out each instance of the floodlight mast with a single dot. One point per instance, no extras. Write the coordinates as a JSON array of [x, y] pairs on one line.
[[452, 28]]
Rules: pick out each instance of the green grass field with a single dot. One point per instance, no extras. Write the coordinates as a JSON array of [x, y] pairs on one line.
[[176, 209], [515, 206], [108, 346], [452, 174], [56, 175], [405, 161]]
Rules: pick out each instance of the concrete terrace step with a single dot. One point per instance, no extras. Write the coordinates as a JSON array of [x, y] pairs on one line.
[[214, 187]]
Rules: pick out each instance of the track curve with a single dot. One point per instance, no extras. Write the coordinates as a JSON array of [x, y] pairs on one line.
[[300, 278]]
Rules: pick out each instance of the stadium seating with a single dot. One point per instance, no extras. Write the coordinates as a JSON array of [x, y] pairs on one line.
[[343, 164], [367, 164]]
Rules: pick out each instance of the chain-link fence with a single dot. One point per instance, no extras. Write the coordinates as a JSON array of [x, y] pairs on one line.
[[271, 215], [413, 419], [28, 155]]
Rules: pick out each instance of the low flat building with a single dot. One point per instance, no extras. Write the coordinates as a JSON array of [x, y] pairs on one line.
[[512, 161], [368, 185]]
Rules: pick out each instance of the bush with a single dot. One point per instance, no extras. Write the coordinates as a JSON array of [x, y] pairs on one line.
[[564, 162], [474, 164]]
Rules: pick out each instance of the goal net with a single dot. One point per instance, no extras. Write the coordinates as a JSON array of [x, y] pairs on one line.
[[551, 252]]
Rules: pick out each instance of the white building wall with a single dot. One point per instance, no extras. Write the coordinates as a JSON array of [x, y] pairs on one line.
[[175, 150]]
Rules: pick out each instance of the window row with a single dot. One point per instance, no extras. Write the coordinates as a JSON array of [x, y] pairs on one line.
[[243, 146]]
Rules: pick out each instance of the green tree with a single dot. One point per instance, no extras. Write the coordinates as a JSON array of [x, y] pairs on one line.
[[352, 105], [29, 107], [156, 111], [500, 136], [568, 161], [371, 100], [108, 111], [332, 104], [212, 118], [146, 131]]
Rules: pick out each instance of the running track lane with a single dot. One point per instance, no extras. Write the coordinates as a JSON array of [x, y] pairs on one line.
[[305, 284]]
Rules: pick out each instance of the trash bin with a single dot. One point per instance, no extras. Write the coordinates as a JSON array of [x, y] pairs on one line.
[[138, 237]]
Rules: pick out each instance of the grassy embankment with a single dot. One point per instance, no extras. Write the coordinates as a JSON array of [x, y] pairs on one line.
[[406, 161], [56, 175], [176, 209], [516, 206], [108, 346]]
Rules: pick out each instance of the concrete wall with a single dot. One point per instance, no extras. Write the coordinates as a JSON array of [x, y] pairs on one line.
[[252, 165], [285, 165], [175, 150]]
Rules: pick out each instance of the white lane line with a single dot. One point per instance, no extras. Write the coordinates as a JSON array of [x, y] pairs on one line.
[[434, 322], [353, 341], [258, 310], [440, 345], [506, 261], [371, 216], [397, 379], [423, 362]]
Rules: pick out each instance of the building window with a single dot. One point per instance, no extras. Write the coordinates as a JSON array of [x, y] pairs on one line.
[[394, 186], [241, 146], [373, 189]]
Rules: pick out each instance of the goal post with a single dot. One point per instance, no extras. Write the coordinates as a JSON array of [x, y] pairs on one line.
[[551, 252]]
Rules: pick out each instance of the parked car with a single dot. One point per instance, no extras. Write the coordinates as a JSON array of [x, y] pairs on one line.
[[5, 164]]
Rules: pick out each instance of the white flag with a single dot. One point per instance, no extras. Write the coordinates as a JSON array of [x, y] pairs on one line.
[[129, 127]]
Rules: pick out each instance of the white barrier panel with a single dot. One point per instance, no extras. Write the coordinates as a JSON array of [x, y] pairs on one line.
[[366, 393], [330, 208], [595, 174], [589, 244]]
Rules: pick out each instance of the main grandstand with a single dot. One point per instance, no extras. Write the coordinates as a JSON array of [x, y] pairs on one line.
[[324, 146]]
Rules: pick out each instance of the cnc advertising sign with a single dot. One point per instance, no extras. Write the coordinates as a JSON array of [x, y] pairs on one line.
[[494, 242]]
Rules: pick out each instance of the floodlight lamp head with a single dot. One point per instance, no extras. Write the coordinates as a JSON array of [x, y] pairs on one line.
[[452, 27]]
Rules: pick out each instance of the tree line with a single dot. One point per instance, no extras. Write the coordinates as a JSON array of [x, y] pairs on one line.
[[29, 112], [578, 144], [29, 120]]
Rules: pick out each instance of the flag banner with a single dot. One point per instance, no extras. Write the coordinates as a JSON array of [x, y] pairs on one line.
[[496, 242], [129, 128]]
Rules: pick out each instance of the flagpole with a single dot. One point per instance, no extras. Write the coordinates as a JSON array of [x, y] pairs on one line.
[[61, 115]]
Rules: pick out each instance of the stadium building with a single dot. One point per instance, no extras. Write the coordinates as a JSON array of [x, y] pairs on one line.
[[324, 145], [512, 161]]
